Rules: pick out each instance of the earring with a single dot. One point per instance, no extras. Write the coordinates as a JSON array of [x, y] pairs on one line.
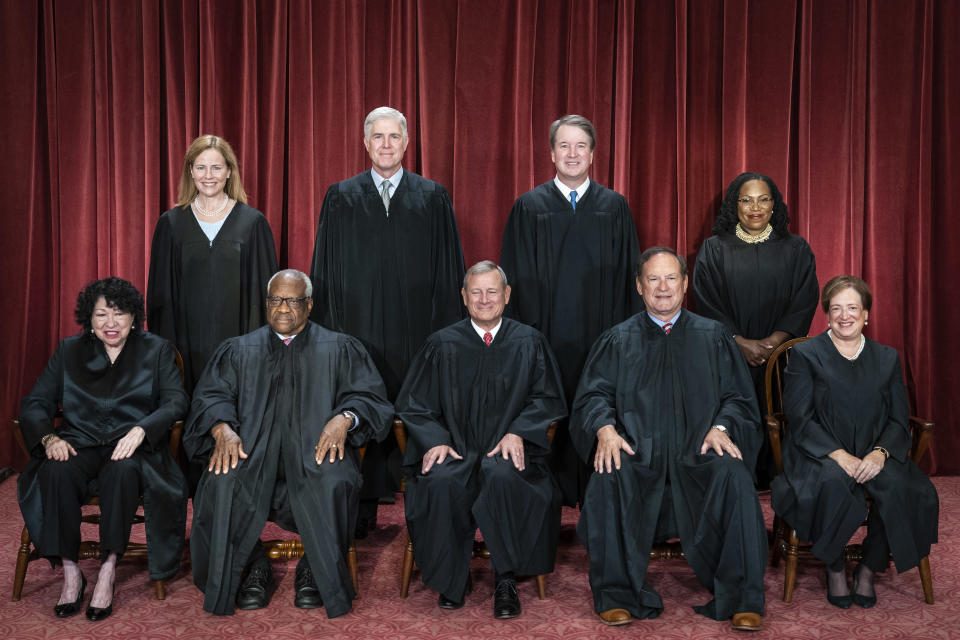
[[866, 322]]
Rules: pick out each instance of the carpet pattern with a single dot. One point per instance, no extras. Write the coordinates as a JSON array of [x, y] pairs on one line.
[[566, 614]]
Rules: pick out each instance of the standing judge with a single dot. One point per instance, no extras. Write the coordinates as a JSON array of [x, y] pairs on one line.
[[848, 437], [666, 413], [477, 403], [271, 418], [210, 260], [387, 264], [569, 246], [757, 278]]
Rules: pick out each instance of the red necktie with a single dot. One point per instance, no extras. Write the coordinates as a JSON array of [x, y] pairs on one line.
[[666, 327], [488, 338], [287, 340]]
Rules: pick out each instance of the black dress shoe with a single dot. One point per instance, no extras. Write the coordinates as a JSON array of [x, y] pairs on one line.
[[256, 590], [364, 526], [506, 601], [843, 602], [860, 600], [70, 608], [447, 603], [95, 614], [307, 596]]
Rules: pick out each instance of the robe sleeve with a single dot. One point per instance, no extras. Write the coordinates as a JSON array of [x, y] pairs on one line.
[[172, 399], [261, 264], [360, 389], [804, 296], [324, 272], [545, 400], [518, 259], [448, 264], [214, 401], [738, 409], [38, 409], [629, 250], [895, 435], [420, 405], [594, 405], [163, 282], [709, 285], [803, 426]]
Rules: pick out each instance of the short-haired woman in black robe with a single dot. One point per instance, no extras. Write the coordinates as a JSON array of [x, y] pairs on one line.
[[758, 279], [848, 436], [120, 392]]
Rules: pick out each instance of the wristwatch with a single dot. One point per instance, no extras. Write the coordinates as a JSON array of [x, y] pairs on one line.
[[886, 454], [719, 427], [45, 439]]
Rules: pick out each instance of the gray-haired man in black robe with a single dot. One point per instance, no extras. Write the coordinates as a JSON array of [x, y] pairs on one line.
[[665, 411], [477, 402], [272, 414], [387, 265]]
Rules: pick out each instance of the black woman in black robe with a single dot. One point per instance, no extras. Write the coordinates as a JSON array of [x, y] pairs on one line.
[[758, 279], [571, 269], [120, 392], [283, 403], [848, 436], [202, 289], [466, 395], [665, 396], [387, 273]]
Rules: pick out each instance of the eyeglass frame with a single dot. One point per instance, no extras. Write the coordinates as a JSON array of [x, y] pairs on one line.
[[274, 302]]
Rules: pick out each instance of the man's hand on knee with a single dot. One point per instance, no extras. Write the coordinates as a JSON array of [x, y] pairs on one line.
[[228, 450], [437, 455], [609, 446]]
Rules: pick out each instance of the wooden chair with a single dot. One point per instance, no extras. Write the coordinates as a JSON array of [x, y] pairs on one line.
[[91, 548], [293, 548], [479, 549], [787, 542]]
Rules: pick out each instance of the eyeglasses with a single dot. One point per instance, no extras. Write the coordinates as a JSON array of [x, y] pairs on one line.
[[763, 201], [293, 303]]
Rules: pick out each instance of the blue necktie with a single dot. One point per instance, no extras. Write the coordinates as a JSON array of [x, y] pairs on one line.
[[573, 200]]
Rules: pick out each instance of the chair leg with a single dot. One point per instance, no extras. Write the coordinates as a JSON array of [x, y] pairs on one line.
[[161, 591], [407, 569], [790, 570], [925, 580], [23, 557], [352, 566], [542, 587]]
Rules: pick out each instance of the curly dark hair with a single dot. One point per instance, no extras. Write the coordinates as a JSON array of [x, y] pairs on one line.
[[726, 220], [118, 293]]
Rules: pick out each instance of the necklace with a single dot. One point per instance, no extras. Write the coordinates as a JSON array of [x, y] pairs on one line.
[[757, 239], [212, 214], [836, 343]]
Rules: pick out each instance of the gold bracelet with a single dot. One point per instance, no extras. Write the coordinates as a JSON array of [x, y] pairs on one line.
[[45, 439], [886, 454]]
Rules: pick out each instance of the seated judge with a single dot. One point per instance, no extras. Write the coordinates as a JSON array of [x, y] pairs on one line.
[[120, 392], [665, 412], [272, 416], [848, 437], [477, 402]]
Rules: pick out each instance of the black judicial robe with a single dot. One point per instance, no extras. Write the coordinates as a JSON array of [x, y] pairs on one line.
[[101, 403], [572, 276], [833, 403], [200, 294], [278, 399], [461, 393], [388, 280], [663, 393]]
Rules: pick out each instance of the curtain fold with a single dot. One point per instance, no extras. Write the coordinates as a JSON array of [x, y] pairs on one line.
[[848, 105]]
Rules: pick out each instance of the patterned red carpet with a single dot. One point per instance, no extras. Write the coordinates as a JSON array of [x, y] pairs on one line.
[[566, 614]]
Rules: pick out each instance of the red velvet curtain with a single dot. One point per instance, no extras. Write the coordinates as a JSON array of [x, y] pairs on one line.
[[850, 106]]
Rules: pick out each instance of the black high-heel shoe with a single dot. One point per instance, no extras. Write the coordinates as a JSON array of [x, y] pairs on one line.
[[860, 600], [843, 602], [95, 614], [70, 608]]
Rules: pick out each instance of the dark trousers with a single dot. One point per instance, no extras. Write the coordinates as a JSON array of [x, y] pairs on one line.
[[64, 487]]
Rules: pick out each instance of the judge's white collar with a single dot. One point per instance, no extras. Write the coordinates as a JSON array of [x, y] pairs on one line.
[[660, 322], [493, 331], [565, 190]]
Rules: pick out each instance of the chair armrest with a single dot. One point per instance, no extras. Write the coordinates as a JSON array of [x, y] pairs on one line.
[[775, 425], [400, 433], [921, 431]]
